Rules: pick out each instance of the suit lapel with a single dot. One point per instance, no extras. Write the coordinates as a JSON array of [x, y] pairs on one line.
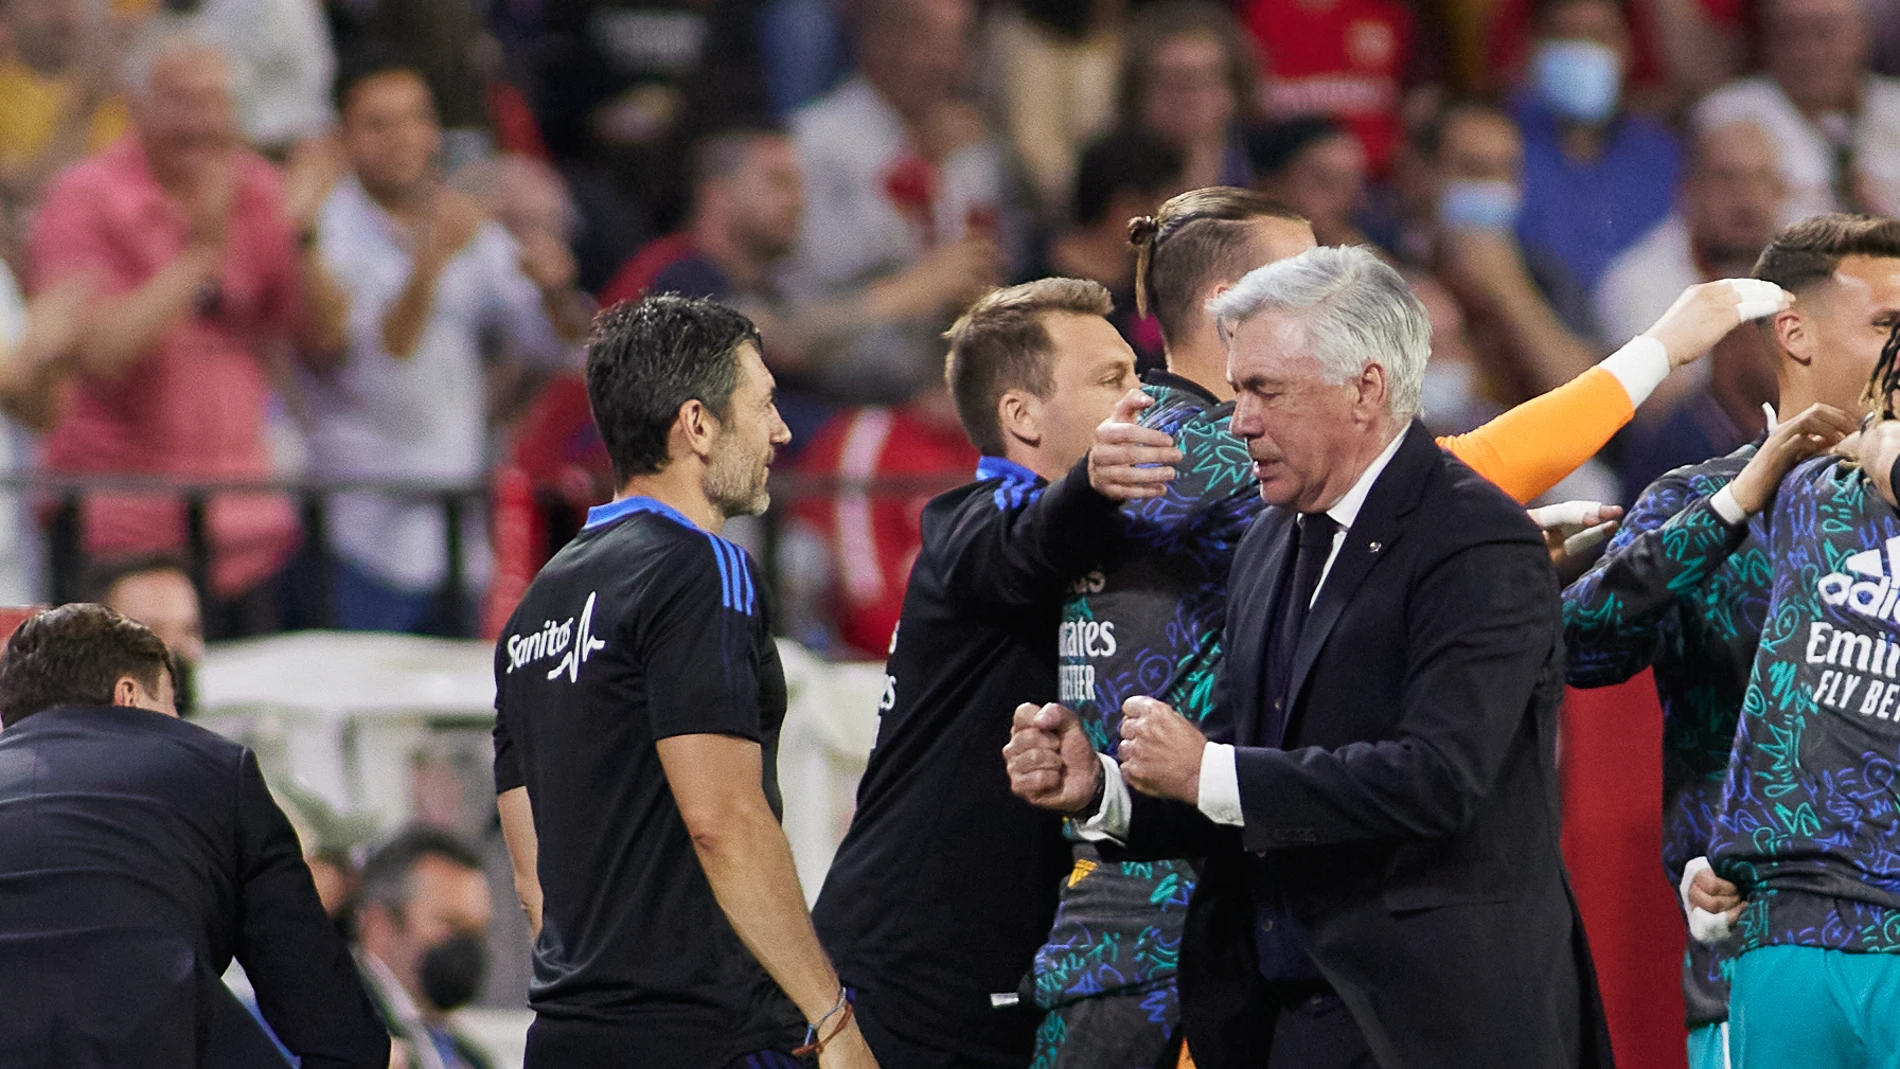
[[1371, 537], [1247, 655]]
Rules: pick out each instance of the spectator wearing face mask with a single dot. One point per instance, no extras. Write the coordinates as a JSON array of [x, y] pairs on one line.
[[1836, 123], [1596, 177], [1529, 321], [422, 923], [1727, 210]]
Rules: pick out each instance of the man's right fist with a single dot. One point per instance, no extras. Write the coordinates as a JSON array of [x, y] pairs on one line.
[[1051, 762]]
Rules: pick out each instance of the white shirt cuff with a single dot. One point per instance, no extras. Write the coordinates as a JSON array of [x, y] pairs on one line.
[[1724, 505], [1110, 822], [1641, 366], [1220, 786]]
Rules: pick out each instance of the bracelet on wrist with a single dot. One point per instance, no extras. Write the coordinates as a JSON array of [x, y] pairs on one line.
[[815, 1042]]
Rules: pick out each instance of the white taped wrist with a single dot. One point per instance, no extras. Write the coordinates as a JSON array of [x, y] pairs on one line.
[[1640, 365]]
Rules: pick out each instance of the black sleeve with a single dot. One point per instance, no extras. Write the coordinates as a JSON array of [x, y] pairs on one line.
[[307, 985], [701, 644], [507, 760], [1019, 553], [1481, 627]]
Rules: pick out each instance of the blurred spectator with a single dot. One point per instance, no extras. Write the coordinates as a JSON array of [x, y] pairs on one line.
[[157, 591], [748, 204], [897, 167], [850, 548], [59, 91], [1054, 68], [1316, 168], [1727, 210], [1527, 319], [445, 41], [422, 927], [1123, 174], [281, 59], [1596, 177], [426, 276], [1837, 125], [621, 88], [527, 197], [1453, 395], [803, 51], [1340, 59], [1189, 77], [197, 251], [37, 343]]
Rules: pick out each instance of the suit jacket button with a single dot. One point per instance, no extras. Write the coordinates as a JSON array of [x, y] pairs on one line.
[[1277, 702], [1266, 926]]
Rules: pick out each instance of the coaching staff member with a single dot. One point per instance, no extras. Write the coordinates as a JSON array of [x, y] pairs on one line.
[[639, 700], [138, 855], [1378, 805]]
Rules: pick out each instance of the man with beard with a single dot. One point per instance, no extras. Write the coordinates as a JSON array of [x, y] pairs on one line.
[[639, 698]]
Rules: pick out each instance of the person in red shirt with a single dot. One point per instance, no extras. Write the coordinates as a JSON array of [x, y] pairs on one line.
[[1342, 59], [853, 548], [194, 245]]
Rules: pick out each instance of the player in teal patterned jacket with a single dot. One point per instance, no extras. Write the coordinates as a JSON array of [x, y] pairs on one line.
[[1154, 628]]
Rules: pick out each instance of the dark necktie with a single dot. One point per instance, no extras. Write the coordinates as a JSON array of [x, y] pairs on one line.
[[1316, 532]]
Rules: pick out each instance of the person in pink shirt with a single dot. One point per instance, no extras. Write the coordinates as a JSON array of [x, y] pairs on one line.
[[205, 273]]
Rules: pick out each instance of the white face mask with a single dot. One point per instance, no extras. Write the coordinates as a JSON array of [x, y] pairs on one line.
[[1579, 80], [1448, 393]]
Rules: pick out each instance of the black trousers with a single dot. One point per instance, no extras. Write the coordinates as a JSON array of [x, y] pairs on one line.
[[1312, 1029], [895, 1052]]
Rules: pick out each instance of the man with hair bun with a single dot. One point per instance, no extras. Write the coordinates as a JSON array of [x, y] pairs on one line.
[[1107, 971], [1375, 791]]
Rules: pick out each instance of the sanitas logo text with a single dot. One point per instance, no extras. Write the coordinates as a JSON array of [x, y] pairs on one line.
[[554, 639]]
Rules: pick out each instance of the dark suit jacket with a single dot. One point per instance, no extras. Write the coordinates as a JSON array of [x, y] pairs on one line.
[[1410, 824], [138, 855]]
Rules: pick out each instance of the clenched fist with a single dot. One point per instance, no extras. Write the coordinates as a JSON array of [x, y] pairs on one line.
[[1051, 762]]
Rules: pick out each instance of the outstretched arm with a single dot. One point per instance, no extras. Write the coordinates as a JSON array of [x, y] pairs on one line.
[[1530, 449], [1611, 615]]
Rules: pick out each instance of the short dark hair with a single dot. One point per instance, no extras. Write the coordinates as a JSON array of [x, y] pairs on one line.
[[100, 579], [1155, 23], [649, 357], [1002, 343], [1428, 136], [1273, 147], [722, 153], [1809, 251], [373, 59], [1201, 235], [385, 879], [1123, 161], [76, 655]]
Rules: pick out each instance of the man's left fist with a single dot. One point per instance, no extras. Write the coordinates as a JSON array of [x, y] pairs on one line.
[[1160, 753]]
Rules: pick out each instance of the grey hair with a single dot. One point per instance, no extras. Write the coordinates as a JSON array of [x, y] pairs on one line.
[[168, 38], [1356, 310]]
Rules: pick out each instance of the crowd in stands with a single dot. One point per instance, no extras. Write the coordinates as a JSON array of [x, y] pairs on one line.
[[348, 242]]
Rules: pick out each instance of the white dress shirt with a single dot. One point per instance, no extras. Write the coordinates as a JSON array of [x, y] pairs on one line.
[[424, 416], [1220, 783]]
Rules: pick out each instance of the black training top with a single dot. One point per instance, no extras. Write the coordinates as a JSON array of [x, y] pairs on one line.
[[946, 883], [642, 628]]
